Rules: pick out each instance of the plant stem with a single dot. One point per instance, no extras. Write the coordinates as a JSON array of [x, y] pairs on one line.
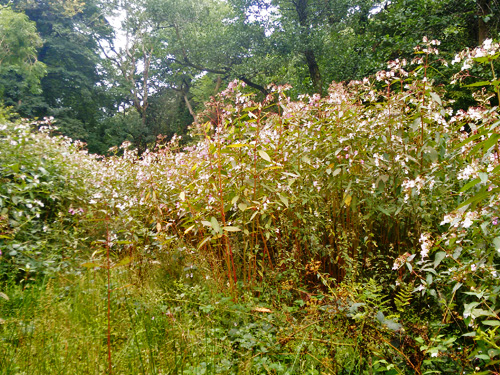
[[109, 295]]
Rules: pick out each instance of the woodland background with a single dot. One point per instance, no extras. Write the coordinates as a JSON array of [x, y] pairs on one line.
[[240, 187], [153, 71]]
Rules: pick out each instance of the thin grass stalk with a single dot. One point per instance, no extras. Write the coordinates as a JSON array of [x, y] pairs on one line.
[[108, 275]]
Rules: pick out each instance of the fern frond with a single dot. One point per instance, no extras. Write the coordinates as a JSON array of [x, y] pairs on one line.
[[403, 296]]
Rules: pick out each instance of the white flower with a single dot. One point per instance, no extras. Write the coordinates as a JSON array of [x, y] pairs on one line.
[[425, 244], [469, 219], [467, 222]]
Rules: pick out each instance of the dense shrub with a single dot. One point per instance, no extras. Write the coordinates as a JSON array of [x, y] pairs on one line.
[[40, 191]]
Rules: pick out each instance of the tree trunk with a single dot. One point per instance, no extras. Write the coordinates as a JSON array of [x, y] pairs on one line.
[[483, 9], [302, 15], [314, 71], [190, 108]]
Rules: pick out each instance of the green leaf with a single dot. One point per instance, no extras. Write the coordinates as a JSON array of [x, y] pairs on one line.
[[492, 322], [416, 124], [436, 98], [470, 184], [383, 210], [480, 83], [438, 258], [483, 356], [456, 287], [242, 206], [475, 199], [496, 242], [488, 58], [408, 264], [284, 200], [486, 144], [392, 325], [123, 262], [204, 242], [433, 155], [91, 265], [215, 225], [482, 312], [490, 142], [484, 177], [470, 334], [470, 139], [231, 229], [264, 155]]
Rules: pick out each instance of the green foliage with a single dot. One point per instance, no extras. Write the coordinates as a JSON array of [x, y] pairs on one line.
[[72, 89], [19, 42], [354, 232], [403, 296], [40, 183]]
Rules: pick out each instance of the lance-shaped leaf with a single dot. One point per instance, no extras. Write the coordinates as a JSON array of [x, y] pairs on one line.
[[264, 155]]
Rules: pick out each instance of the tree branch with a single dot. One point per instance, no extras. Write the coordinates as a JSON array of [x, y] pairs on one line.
[[256, 86], [186, 62]]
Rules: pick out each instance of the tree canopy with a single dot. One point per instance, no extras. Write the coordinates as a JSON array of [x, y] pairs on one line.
[[65, 59]]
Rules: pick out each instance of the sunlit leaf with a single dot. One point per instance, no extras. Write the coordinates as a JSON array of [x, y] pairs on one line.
[[91, 265], [126, 260], [436, 98], [200, 245], [264, 155], [262, 310], [231, 229], [215, 224], [493, 323], [238, 145], [470, 184], [480, 83], [284, 200], [189, 229]]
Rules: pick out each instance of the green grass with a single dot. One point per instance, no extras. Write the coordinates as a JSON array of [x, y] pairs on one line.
[[167, 323], [60, 327]]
